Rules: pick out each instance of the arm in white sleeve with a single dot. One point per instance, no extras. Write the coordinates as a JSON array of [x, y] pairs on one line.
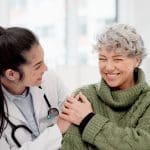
[[50, 139]]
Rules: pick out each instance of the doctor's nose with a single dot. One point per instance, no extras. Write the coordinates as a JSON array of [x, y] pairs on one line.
[[45, 68]]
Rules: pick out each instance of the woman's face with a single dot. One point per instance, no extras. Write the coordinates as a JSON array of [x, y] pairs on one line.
[[35, 67], [117, 69]]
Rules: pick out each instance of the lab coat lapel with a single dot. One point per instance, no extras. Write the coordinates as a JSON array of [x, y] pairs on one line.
[[14, 112], [37, 96]]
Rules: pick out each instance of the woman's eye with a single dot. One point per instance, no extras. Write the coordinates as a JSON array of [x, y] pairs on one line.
[[102, 59], [118, 59]]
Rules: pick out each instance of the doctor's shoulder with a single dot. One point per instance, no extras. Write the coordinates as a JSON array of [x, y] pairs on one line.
[[49, 79]]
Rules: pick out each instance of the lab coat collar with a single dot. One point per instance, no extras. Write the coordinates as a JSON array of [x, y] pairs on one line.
[[38, 98], [15, 114]]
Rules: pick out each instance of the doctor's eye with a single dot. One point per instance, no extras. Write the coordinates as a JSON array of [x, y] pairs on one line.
[[37, 67]]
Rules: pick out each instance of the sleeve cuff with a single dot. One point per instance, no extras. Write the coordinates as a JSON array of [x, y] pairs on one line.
[[85, 121], [93, 127]]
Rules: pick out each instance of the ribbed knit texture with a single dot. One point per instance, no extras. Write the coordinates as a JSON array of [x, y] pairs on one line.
[[122, 120], [85, 121], [121, 98]]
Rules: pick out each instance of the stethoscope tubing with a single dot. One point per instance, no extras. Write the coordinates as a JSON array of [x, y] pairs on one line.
[[15, 127], [13, 133]]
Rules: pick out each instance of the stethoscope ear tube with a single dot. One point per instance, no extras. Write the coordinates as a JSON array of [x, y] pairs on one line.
[[13, 133], [14, 128], [52, 113], [14, 138]]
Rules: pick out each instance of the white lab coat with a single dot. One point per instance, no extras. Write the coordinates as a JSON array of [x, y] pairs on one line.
[[50, 137]]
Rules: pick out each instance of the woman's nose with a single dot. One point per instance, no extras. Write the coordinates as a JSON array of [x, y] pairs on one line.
[[109, 66]]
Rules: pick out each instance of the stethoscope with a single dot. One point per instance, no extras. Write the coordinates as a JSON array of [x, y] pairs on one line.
[[52, 113]]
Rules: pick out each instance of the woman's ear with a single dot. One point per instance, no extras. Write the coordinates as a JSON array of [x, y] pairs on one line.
[[137, 62], [11, 75]]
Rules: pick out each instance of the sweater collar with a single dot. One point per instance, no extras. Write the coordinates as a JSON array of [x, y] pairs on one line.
[[122, 98]]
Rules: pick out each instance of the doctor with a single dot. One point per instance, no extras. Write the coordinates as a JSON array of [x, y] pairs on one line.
[[30, 100]]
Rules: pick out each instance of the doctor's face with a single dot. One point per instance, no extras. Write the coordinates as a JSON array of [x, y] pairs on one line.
[[117, 69], [35, 66]]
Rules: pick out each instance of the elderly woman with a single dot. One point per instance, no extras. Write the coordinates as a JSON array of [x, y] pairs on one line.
[[115, 113]]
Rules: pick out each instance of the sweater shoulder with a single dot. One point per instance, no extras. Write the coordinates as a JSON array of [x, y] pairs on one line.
[[90, 91], [87, 88]]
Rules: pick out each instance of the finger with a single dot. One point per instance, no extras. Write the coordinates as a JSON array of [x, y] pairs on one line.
[[77, 97], [71, 100], [68, 100], [65, 117], [69, 97], [67, 104], [66, 110], [83, 97], [73, 94]]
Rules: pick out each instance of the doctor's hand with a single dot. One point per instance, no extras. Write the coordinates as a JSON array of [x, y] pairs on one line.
[[63, 125], [76, 109]]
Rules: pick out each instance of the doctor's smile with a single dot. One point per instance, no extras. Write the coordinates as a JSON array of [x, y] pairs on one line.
[[31, 97]]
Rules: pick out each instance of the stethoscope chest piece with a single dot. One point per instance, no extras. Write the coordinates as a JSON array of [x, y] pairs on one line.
[[52, 113]]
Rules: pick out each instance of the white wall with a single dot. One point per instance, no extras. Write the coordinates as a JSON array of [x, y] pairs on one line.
[[4, 12], [137, 13], [76, 76]]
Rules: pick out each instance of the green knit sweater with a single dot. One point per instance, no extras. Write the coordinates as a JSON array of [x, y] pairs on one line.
[[122, 120]]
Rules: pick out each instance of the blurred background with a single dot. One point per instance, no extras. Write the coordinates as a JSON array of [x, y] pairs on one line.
[[67, 30]]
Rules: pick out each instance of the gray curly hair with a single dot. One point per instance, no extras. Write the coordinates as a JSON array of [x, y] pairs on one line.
[[121, 38]]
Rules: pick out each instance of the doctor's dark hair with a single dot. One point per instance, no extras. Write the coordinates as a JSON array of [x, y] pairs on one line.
[[14, 42]]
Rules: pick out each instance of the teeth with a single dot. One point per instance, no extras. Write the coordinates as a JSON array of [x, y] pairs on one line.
[[111, 75]]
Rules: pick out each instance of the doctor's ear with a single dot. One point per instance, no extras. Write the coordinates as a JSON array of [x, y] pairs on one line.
[[11, 75]]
